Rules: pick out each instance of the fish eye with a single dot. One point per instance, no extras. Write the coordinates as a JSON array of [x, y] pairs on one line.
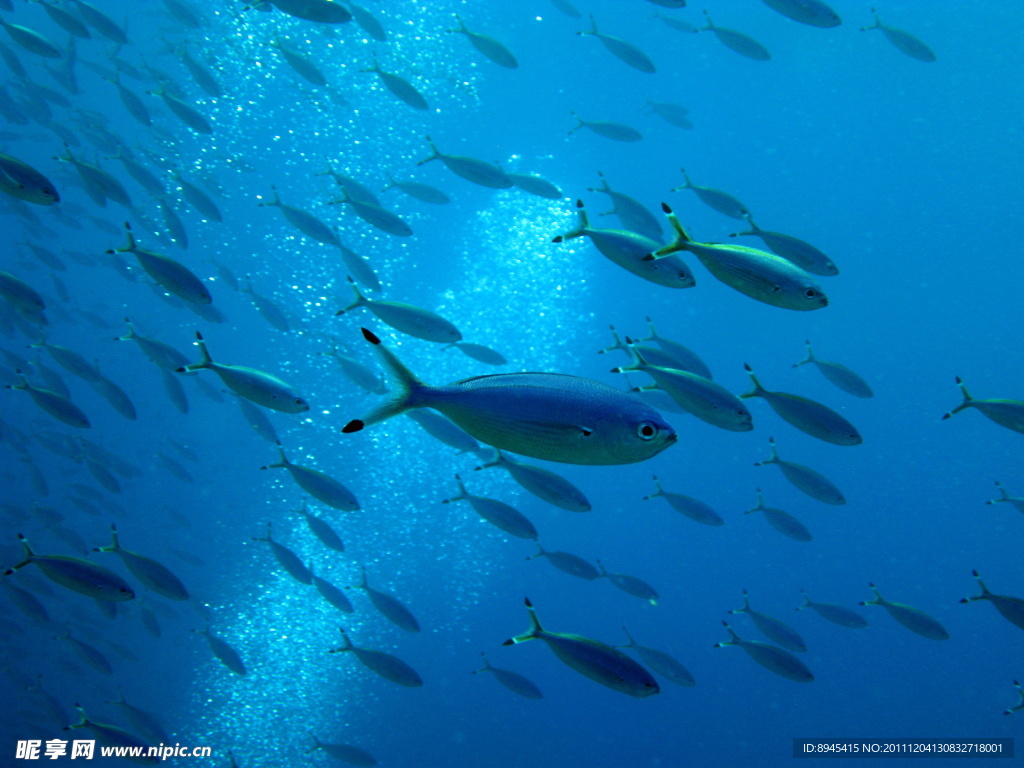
[[299, 401], [810, 293], [646, 431]]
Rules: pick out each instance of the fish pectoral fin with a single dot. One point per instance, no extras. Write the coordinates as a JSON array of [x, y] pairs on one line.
[[585, 431]]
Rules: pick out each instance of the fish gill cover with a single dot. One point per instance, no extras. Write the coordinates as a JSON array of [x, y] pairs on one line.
[[875, 149]]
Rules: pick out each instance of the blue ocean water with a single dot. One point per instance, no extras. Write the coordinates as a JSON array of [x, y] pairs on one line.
[[905, 173]]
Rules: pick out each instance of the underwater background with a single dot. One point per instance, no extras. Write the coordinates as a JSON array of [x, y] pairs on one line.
[[906, 173]]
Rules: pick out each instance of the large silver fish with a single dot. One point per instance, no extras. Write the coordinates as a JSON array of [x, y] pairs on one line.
[[542, 415]]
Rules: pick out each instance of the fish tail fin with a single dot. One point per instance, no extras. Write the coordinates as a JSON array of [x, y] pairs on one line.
[[1003, 495], [981, 584], [659, 491], [487, 664], [968, 400], [205, 361], [876, 25], [632, 642], [810, 356], [711, 24], [535, 630], [463, 493], [348, 643], [758, 390], [686, 178], [83, 724], [406, 391], [773, 459], [681, 241], [734, 639], [435, 154], [282, 463], [601, 568], [878, 600], [807, 601], [29, 554], [760, 504], [358, 301], [579, 124], [582, 224], [496, 461]]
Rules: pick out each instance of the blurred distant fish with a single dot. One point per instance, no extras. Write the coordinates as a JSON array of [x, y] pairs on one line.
[[376, 216], [809, 416], [161, 354], [777, 631], [399, 87], [321, 529], [422, 192], [801, 253], [306, 223], [631, 585], [625, 52], [390, 607], [915, 620], [739, 42], [331, 593], [189, 115], [113, 394], [497, 513], [814, 13], [272, 313], [661, 663], [114, 737], [542, 483], [202, 76], [320, 486], [359, 374], [59, 407], [479, 352], [1019, 706], [568, 563], [692, 508], [721, 201], [175, 468], [608, 129], [600, 662], [358, 267], [174, 390], [257, 386], [132, 103], [811, 482], [1016, 501], [567, 8], [227, 655], [25, 300], [903, 40], [687, 358], [781, 521], [31, 40], [1005, 413], [185, 13], [77, 575], [546, 416], [368, 22], [152, 574], [837, 614], [384, 664], [477, 171], [345, 753], [670, 112], [287, 559], [534, 185], [102, 23], [197, 198], [68, 21], [776, 660], [1011, 608], [838, 374], [301, 65], [20, 180], [488, 46], [321, 11], [258, 420], [407, 318], [88, 654], [172, 275], [441, 428], [515, 682], [632, 214]]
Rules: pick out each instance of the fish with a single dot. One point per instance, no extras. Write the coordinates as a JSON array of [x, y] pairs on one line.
[[469, 168], [515, 682], [321, 529], [777, 631], [497, 513], [814, 13], [142, 175], [77, 575], [301, 65], [441, 428], [384, 664], [368, 22], [305, 222], [542, 483], [692, 508], [1016, 501], [320, 486], [26, 602], [224, 653], [159, 353], [406, 318], [172, 275], [763, 276], [331, 593], [903, 40], [150, 622], [809, 416], [152, 574], [534, 185], [20, 180], [1019, 706], [68, 359], [320, 11], [915, 620], [132, 102], [401, 88], [628, 250], [625, 52], [175, 468], [360, 375], [567, 8], [781, 662], [202, 76], [1005, 413], [687, 359], [185, 13], [781, 521], [488, 46], [631, 585], [188, 114], [359, 267], [539, 415], [608, 129], [801, 253], [591, 658], [23, 298], [59, 407], [270, 312], [376, 216], [423, 192], [739, 42], [88, 654], [259, 387], [1011, 608], [31, 41], [197, 198], [568, 563], [287, 559], [147, 724], [173, 223], [838, 374], [661, 663], [67, 21], [479, 352], [710, 402], [344, 752], [723, 202], [810, 481], [671, 112], [102, 23], [837, 614], [113, 394], [113, 737], [390, 607]]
